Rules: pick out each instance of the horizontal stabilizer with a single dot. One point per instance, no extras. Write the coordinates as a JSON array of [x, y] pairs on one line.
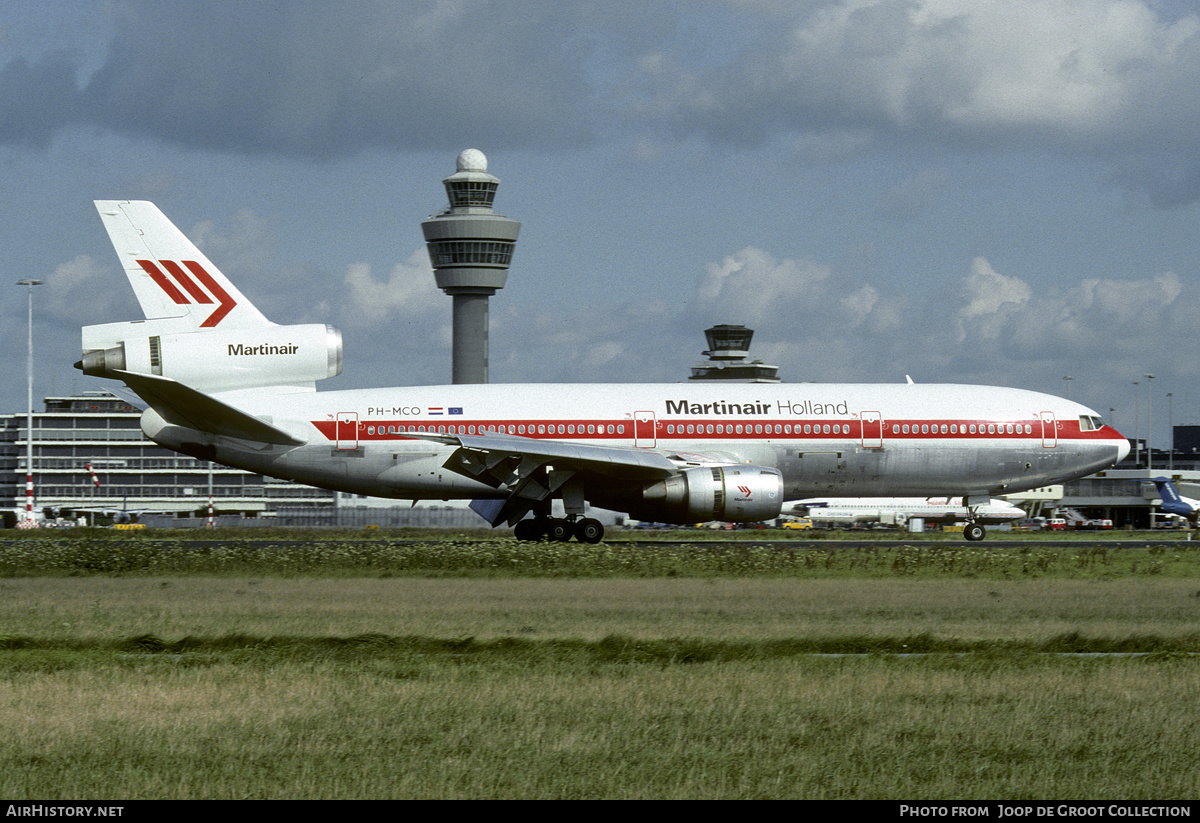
[[181, 405]]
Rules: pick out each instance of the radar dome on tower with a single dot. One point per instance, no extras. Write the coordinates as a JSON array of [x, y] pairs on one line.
[[472, 160]]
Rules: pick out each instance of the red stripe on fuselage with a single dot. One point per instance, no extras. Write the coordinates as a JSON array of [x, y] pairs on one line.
[[779, 430]]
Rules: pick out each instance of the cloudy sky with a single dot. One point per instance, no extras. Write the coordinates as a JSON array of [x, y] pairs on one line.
[[958, 190]]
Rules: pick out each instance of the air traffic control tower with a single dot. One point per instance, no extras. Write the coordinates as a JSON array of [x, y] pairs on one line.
[[729, 358], [470, 249]]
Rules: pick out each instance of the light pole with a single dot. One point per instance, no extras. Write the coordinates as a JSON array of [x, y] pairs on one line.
[[1067, 379], [1149, 425], [1171, 427], [1137, 443], [29, 521]]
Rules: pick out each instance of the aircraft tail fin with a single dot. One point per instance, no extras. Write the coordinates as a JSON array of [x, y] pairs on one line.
[[171, 278], [1172, 501], [200, 330]]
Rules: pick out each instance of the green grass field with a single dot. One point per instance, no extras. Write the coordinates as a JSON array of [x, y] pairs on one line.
[[468, 666]]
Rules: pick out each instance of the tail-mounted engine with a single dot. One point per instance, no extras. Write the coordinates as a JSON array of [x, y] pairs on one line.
[[740, 494], [212, 359]]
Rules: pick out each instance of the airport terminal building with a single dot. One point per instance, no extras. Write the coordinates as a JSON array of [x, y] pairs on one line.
[[90, 456]]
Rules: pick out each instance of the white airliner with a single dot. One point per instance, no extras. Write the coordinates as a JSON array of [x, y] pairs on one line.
[[223, 383], [899, 510]]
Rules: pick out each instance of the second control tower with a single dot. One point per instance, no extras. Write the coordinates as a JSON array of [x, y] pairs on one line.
[[470, 249]]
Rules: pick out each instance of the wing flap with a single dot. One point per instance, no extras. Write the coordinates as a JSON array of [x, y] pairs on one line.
[[529, 471], [485, 454]]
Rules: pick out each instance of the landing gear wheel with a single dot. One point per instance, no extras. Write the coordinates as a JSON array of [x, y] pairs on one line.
[[974, 532], [558, 530], [529, 530], [589, 530]]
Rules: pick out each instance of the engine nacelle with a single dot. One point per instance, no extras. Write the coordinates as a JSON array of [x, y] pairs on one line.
[[740, 494], [215, 360]]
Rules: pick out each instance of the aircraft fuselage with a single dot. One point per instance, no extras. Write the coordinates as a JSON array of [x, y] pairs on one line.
[[861, 440]]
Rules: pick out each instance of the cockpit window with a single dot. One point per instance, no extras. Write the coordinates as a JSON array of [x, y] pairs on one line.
[[1090, 423]]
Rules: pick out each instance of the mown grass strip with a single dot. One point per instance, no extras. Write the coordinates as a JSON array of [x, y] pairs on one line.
[[93, 552], [611, 649]]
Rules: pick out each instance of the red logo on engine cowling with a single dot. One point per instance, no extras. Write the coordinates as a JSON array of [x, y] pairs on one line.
[[195, 294]]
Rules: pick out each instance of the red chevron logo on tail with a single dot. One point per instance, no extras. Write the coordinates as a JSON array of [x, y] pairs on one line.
[[194, 292]]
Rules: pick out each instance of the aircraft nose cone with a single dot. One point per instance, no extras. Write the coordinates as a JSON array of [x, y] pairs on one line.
[[1122, 449]]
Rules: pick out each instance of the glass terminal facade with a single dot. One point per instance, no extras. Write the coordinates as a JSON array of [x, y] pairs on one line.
[[127, 471]]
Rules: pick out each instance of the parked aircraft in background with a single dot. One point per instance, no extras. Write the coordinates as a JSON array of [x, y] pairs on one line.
[[1173, 502], [223, 383], [899, 510]]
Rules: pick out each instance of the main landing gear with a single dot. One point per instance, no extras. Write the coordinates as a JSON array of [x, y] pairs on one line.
[[560, 529], [974, 530]]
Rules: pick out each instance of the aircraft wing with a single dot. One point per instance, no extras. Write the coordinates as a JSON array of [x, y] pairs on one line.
[[184, 406], [531, 470]]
